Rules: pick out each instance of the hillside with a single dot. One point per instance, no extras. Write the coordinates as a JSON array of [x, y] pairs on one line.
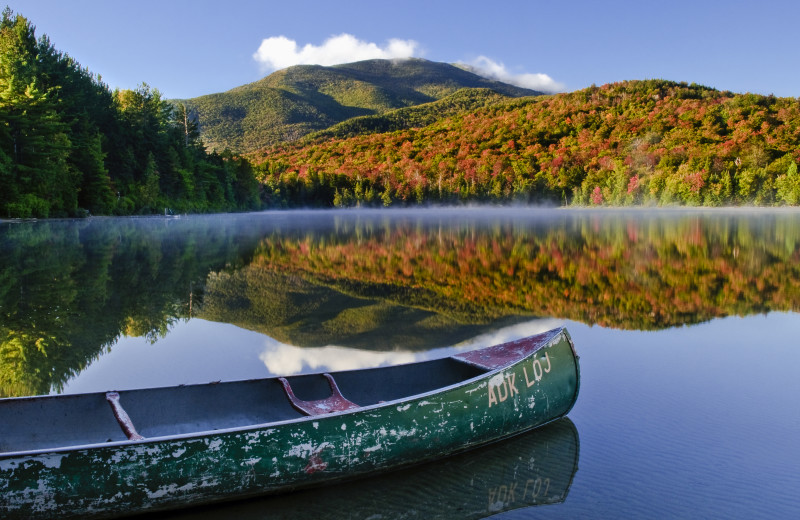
[[296, 101], [464, 100], [651, 142]]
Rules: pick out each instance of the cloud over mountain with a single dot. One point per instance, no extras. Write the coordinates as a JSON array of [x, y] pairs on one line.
[[496, 70], [278, 52]]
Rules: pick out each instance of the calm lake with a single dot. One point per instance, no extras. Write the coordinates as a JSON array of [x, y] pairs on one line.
[[687, 324]]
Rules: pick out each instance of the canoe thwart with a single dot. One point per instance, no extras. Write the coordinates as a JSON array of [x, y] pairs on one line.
[[335, 403], [122, 417]]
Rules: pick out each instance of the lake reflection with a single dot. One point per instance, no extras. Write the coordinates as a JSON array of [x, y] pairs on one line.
[[385, 281], [686, 323]]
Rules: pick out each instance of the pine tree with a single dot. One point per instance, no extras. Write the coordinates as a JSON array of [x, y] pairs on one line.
[[95, 193], [34, 137]]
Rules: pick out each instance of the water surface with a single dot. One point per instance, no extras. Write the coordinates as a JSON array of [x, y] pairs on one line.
[[686, 324]]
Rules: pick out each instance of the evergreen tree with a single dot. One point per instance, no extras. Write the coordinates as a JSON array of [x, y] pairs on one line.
[[95, 194], [789, 185], [69, 145], [34, 137]]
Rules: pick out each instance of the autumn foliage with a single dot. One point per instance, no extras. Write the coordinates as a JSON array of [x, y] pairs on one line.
[[641, 142], [616, 271]]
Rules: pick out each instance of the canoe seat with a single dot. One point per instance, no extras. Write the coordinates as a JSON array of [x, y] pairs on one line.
[[122, 417], [335, 403]]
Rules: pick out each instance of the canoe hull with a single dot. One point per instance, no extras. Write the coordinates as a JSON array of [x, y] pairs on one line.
[[534, 468], [157, 474]]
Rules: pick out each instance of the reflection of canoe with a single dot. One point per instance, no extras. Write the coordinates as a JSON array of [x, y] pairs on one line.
[[68, 455], [531, 469]]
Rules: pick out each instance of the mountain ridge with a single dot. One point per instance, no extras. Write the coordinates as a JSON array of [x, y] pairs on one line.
[[293, 102]]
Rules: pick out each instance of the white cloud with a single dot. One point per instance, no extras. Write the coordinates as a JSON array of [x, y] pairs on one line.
[[279, 52], [495, 70]]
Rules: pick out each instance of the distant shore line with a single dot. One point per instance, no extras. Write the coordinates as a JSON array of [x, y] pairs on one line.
[[426, 208]]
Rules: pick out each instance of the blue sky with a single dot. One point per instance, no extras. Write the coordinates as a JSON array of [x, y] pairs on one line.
[[187, 48]]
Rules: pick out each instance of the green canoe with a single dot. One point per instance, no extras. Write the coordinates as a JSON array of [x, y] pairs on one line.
[[534, 468], [116, 453]]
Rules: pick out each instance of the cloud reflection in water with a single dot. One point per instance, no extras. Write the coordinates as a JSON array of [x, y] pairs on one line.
[[283, 359]]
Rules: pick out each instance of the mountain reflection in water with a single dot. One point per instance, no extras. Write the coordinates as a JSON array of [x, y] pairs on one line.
[[397, 280]]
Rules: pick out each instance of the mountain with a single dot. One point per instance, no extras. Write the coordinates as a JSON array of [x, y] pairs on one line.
[[299, 309], [652, 142], [461, 101], [293, 102]]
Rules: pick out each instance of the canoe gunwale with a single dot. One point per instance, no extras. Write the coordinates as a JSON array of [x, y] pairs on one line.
[[555, 334]]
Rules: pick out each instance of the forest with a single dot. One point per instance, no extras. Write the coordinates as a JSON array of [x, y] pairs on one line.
[[70, 146], [651, 142]]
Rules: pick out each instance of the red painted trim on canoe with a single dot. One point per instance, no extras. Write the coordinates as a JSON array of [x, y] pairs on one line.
[[499, 356], [335, 403]]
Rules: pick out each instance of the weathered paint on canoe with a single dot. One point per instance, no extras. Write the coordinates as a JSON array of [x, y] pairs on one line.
[[161, 473], [534, 468]]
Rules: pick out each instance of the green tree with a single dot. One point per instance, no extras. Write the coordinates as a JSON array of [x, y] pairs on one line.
[[148, 190], [788, 186], [34, 142], [95, 194]]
